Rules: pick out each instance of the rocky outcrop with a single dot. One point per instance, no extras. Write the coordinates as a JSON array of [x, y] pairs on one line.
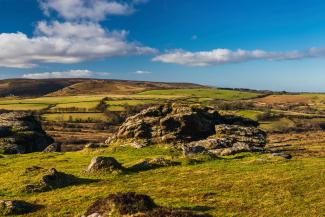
[[52, 179], [196, 129], [132, 204], [105, 164], [16, 207], [20, 132], [172, 124], [228, 140]]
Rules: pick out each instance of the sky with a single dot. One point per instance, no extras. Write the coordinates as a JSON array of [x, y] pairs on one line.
[[267, 45]]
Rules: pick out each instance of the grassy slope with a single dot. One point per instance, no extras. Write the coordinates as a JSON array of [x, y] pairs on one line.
[[95, 87], [246, 185], [30, 87], [205, 93], [77, 86]]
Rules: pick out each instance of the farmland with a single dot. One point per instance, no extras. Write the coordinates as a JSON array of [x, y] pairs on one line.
[[276, 112], [272, 186]]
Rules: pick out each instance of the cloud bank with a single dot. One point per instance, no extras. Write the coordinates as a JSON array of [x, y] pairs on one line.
[[224, 56], [65, 43], [79, 73], [79, 38], [95, 10]]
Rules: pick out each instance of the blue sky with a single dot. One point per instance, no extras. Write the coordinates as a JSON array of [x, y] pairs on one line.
[[277, 45]]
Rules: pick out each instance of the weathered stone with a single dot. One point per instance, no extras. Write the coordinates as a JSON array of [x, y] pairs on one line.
[[104, 164], [52, 179], [121, 204], [228, 140], [172, 123], [281, 154], [133, 205], [15, 207], [20, 132], [193, 128], [236, 133], [55, 147]]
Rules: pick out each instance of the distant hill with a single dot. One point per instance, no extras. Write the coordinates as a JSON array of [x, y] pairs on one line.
[[80, 86], [31, 87]]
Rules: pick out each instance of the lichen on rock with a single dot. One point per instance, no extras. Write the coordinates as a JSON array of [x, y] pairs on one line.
[[195, 129], [21, 132]]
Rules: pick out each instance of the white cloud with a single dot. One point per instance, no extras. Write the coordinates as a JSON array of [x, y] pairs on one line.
[[224, 56], [142, 72], [65, 42], [65, 74], [94, 10]]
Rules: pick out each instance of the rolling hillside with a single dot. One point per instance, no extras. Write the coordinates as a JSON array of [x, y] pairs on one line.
[[80, 86], [93, 87], [31, 87]]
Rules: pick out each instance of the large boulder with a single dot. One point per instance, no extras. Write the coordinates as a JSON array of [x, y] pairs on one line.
[[105, 164], [172, 123], [20, 132], [228, 140], [16, 207]]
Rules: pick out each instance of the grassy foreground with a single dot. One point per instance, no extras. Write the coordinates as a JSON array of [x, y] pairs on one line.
[[242, 185]]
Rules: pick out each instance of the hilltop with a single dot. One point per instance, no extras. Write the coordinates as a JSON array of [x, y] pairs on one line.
[[81, 86]]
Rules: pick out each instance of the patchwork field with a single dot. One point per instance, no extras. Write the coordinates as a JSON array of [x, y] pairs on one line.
[[205, 93]]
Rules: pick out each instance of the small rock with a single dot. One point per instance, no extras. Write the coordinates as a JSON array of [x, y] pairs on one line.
[[55, 147], [52, 179], [15, 207], [189, 150], [138, 144], [286, 156], [107, 164], [92, 145]]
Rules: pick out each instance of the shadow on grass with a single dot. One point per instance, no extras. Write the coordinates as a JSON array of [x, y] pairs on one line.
[[56, 180], [197, 208], [151, 164]]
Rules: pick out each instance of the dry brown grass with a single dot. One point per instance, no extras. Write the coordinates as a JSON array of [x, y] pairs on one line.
[[307, 144], [283, 99]]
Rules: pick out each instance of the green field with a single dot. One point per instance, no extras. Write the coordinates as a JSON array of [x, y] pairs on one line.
[[131, 102], [88, 105], [204, 93], [74, 117], [23, 106], [241, 185], [252, 114]]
